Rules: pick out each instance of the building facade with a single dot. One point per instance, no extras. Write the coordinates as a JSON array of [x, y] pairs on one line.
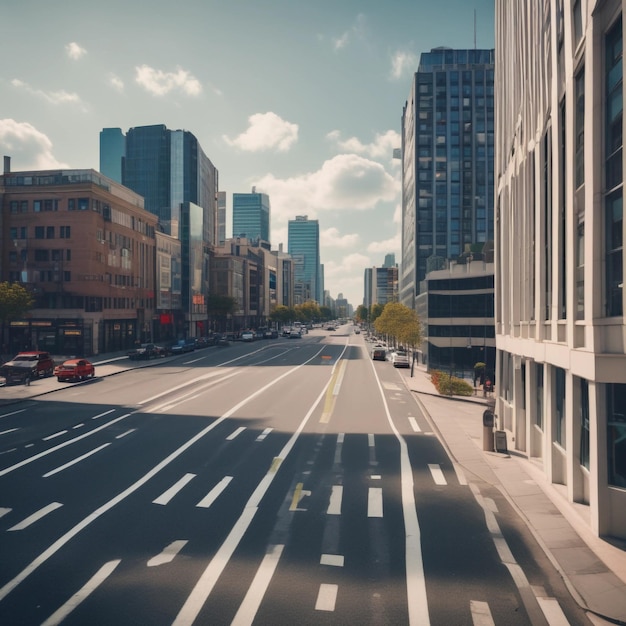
[[84, 247], [172, 173], [447, 162], [456, 308], [560, 332], [251, 216], [380, 285], [304, 247]]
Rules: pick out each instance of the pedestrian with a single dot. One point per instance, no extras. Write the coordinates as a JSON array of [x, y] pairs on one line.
[[487, 387]]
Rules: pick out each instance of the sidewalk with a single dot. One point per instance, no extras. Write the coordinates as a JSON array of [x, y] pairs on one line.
[[593, 569]]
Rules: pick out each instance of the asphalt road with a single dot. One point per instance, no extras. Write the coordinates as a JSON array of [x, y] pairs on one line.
[[275, 482]]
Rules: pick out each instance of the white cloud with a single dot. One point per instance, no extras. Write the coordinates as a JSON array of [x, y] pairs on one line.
[[331, 238], [388, 246], [28, 148], [381, 148], [74, 51], [160, 83], [53, 97], [356, 31], [346, 276], [116, 82], [403, 63], [347, 182], [266, 131]]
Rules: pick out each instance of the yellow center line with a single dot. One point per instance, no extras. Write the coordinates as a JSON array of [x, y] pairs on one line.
[[333, 392]]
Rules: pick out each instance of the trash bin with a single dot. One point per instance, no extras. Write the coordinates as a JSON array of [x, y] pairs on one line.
[[488, 423]]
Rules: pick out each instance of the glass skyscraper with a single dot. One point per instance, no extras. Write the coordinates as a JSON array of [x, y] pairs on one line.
[[447, 162], [166, 167], [251, 216], [304, 248]]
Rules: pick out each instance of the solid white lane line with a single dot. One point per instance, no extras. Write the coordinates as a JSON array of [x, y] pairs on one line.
[[415, 578], [77, 426], [168, 554], [334, 506], [459, 474], [251, 603], [210, 498], [12, 468], [235, 433], [76, 460], [553, 612], [4, 511], [167, 495], [6, 432], [481, 615], [61, 432], [437, 474], [375, 502], [214, 569], [371, 441], [35, 517], [326, 597], [335, 560], [264, 434], [414, 425], [90, 586]]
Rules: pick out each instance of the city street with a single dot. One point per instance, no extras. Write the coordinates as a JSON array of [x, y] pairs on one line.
[[273, 482]]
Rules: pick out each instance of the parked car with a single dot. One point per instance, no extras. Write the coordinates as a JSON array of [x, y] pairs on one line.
[[3, 381], [183, 345], [400, 358], [32, 364], [379, 354], [247, 335], [74, 370], [146, 351], [295, 333]]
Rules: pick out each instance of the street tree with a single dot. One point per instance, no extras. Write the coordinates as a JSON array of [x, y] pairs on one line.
[[361, 314], [220, 307], [15, 302], [400, 323]]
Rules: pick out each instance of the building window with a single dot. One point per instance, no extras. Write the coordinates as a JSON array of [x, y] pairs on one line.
[[559, 405], [580, 267], [13, 206], [616, 434], [49, 232], [36, 206], [580, 128], [577, 17], [39, 232], [584, 423], [614, 262], [64, 232]]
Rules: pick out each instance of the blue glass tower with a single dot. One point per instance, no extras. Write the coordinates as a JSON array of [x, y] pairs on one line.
[[251, 216], [304, 247]]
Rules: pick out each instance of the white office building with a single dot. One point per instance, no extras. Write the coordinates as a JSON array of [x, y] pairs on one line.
[[559, 232]]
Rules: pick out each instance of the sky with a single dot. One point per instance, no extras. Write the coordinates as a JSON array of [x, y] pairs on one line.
[[302, 100]]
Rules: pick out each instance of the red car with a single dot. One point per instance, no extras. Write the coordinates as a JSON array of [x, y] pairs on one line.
[[74, 369]]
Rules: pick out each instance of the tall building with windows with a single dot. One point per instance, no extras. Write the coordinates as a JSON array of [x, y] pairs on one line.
[[447, 162], [221, 218], [304, 247], [251, 216], [559, 265], [179, 185], [380, 285], [166, 167]]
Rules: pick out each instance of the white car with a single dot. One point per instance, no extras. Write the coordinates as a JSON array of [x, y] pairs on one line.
[[247, 336], [400, 358]]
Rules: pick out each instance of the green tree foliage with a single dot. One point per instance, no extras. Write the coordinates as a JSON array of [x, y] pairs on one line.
[[376, 311], [282, 314], [308, 311], [326, 313], [400, 323], [361, 314], [15, 301]]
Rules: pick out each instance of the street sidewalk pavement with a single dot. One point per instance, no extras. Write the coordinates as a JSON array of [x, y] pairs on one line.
[[593, 569]]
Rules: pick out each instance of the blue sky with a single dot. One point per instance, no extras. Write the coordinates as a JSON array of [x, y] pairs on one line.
[[301, 99]]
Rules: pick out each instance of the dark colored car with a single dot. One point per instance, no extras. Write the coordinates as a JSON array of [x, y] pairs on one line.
[[74, 370], [32, 364], [146, 351], [379, 354], [183, 345]]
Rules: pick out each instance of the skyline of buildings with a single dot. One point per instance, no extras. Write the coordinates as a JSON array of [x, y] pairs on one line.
[[251, 215]]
